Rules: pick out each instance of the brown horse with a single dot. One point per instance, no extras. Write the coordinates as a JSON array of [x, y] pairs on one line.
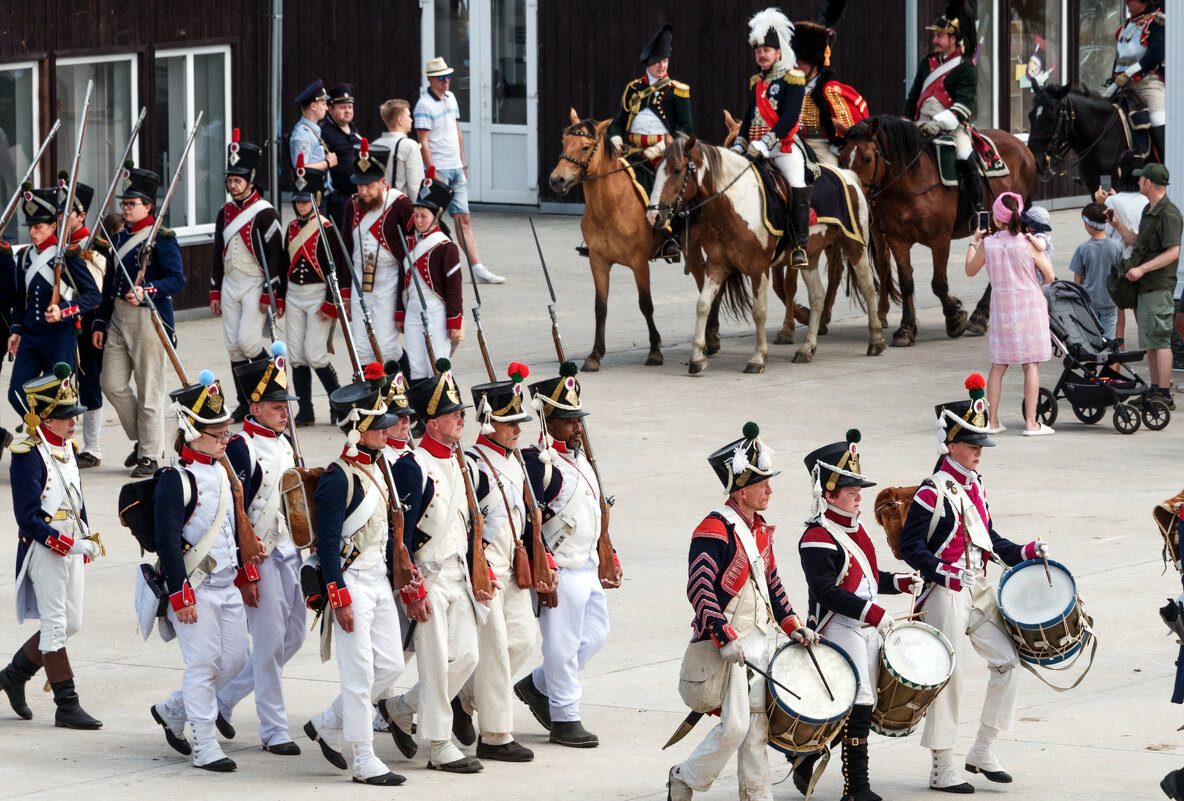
[[896, 165], [728, 195], [614, 224]]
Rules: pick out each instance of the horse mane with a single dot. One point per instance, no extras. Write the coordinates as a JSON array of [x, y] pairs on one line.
[[591, 126], [714, 158], [901, 138]]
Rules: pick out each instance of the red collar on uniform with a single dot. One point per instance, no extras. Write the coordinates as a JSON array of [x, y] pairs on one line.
[[364, 456], [751, 522], [256, 430], [397, 444], [47, 243], [50, 437], [965, 477], [493, 446], [144, 223], [844, 519], [191, 456], [79, 235], [251, 198], [435, 447]]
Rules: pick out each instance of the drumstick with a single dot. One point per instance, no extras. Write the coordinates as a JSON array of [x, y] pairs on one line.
[[1047, 574], [909, 616], [915, 593], [818, 667], [774, 681]]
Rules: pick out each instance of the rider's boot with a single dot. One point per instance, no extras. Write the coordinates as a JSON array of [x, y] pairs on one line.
[[972, 183], [799, 221], [1157, 144]]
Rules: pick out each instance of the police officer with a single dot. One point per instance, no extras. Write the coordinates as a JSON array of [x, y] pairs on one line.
[[1139, 64], [133, 351], [775, 97], [312, 249], [260, 455], [341, 137], [306, 138], [55, 543], [248, 247], [43, 330]]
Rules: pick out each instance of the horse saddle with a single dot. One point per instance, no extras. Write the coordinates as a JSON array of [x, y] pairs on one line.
[[1136, 122], [830, 204], [990, 164]]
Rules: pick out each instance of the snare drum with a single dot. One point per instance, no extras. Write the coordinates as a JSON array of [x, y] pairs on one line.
[[1048, 624], [916, 661], [809, 724]]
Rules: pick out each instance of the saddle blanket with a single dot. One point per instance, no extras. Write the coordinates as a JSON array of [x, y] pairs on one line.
[[990, 163], [830, 205]]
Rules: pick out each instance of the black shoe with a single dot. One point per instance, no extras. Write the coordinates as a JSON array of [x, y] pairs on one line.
[[965, 788], [1000, 776], [803, 772], [70, 714], [283, 749], [510, 752], [178, 744], [238, 415], [13, 680], [540, 705], [305, 422], [670, 251], [134, 457], [223, 765], [145, 468], [573, 734], [462, 765], [335, 758], [224, 727], [86, 460], [387, 779], [462, 724], [403, 740], [1170, 785]]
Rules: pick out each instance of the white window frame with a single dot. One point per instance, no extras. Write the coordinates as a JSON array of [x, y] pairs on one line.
[[35, 68], [191, 228], [132, 59]]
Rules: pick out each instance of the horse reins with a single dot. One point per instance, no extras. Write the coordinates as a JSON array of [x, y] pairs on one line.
[[1059, 141], [584, 177], [874, 191]]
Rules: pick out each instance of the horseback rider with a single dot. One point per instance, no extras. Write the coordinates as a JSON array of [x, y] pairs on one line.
[[771, 121], [654, 108], [1138, 63], [942, 99], [829, 108]]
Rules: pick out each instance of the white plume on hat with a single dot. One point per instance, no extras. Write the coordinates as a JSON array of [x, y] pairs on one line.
[[758, 28]]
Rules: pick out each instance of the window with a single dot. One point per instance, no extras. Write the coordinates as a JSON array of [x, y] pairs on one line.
[[113, 110], [1099, 20], [189, 82], [1035, 30], [19, 135], [452, 24], [985, 58]]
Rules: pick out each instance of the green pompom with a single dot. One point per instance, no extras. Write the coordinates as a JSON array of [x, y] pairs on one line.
[[853, 435], [390, 367], [27, 186], [568, 369], [975, 394], [61, 370], [751, 430], [128, 164], [63, 175], [443, 365]]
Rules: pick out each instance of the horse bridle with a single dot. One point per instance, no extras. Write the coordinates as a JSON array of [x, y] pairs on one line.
[[874, 190], [1059, 142], [583, 165], [678, 207]]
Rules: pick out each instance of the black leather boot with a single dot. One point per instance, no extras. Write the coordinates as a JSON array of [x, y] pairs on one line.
[[70, 714], [856, 786], [799, 222], [13, 680], [241, 410], [302, 379], [972, 182], [328, 378], [1158, 144]]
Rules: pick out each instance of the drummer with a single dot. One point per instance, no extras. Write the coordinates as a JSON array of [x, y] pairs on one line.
[[736, 608], [949, 536], [839, 561]]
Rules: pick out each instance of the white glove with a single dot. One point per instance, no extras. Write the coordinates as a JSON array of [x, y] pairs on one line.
[[653, 151], [886, 622], [618, 143], [967, 577], [88, 548], [947, 119], [916, 583], [1110, 90], [732, 652], [1039, 549], [930, 128], [740, 146], [804, 635], [758, 150]]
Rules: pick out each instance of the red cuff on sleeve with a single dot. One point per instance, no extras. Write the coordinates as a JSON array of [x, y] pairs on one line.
[[69, 312], [452, 323], [329, 310], [875, 614], [551, 561], [338, 597], [215, 295], [729, 633], [345, 293], [279, 305], [616, 559], [246, 574], [1029, 550], [400, 316], [791, 624], [492, 575], [184, 598], [60, 544], [903, 582], [412, 597]]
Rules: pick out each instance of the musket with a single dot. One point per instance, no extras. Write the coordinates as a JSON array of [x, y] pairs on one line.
[[10, 209], [146, 249], [423, 316], [249, 545], [72, 177], [540, 566], [357, 282], [610, 574], [114, 185]]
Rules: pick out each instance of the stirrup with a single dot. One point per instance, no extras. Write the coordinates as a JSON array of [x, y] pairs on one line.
[[798, 260]]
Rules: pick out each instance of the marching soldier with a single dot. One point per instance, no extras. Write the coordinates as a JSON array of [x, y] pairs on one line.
[[208, 585], [378, 220], [45, 328], [942, 98], [90, 358], [577, 626], [356, 552], [311, 311], [951, 554], [438, 532], [260, 455], [839, 561], [507, 639], [738, 610], [775, 97], [1139, 64], [55, 544], [133, 351], [248, 247], [829, 108], [437, 260]]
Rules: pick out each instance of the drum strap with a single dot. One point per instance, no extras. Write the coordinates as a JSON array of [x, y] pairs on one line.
[[1087, 625], [819, 767]]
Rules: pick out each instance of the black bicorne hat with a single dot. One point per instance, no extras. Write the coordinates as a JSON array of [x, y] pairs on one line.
[[436, 396], [744, 462], [242, 158], [370, 163], [559, 398], [433, 193], [266, 379], [659, 47], [52, 396], [964, 420]]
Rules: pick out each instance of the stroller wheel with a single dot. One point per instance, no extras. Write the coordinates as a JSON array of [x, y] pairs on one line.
[[1156, 414], [1046, 407], [1089, 414], [1126, 418]]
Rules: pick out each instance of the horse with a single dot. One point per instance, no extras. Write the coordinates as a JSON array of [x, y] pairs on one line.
[[1063, 119], [614, 224], [727, 194], [899, 173]]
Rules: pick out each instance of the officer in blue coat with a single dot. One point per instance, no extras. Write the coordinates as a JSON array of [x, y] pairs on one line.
[[43, 332]]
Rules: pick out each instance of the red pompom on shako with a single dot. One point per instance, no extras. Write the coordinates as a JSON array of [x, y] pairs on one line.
[[975, 381], [518, 371]]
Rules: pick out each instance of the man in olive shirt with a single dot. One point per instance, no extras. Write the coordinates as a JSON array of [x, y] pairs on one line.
[[1156, 253]]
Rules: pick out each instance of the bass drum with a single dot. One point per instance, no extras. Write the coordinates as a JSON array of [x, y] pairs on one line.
[[808, 724], [916, 662]]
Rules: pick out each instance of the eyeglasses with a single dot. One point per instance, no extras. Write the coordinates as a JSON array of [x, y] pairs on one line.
[[220, 437], [129, 204], [442, 78]]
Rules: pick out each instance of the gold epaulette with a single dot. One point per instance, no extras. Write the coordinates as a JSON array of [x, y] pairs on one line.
[[24, 446], [752, 81], [167, 233], [681, 89], [795, 78]]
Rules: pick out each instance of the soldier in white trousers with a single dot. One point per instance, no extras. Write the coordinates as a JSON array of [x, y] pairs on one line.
[[260, 455], [248, 264]]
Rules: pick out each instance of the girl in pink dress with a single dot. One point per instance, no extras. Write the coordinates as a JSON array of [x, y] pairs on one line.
[[1017, 266]]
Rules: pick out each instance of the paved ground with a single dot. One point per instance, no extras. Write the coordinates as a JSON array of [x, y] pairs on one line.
[[1086, 490]]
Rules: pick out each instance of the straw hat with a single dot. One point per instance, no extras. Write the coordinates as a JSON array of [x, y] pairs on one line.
[[437, 68]]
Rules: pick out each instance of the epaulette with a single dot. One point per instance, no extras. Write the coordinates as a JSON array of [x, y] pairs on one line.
[[24, 446], [752, 81], [5, 248], [1159, 18], [681, 89], [73, 250], [167, 233], [77, 449], [795, 77]]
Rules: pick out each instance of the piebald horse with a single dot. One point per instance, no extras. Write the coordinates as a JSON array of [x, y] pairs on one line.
[[728, 195]]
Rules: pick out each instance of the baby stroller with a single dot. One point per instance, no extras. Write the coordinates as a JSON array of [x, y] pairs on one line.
[[1096, 375]]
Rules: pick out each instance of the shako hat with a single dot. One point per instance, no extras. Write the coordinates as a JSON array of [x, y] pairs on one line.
[[266, 379], [361, 406], [959, 21], [83, 194], [501, 401], [834, 466], [433, 193], [659, 47], [242, 158], [312, 93], [52, 396], [744, 462], [200, 404], [142, 184], [559, 398], [370, 163], [40, 205], [771, 28], [964, 420], [436, 396], [309, 183]]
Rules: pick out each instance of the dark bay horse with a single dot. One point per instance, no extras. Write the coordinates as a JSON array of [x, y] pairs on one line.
[[1063, 120], [899, 174], [614, 224]]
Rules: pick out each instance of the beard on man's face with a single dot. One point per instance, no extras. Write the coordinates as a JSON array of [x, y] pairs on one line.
[[367, 206]]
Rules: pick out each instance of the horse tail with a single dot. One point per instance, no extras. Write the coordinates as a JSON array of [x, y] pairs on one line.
[[889, 277], [736, 297]]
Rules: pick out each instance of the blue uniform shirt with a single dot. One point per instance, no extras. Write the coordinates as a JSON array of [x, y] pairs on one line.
[[32, 293], [163, 278], [306, 139]]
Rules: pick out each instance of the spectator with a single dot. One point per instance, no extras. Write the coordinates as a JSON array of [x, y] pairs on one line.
[[1038, 223], [306, 134], [404, 170], [437, 123], [1091, 265], [1018, 332], [1155, 255], [340, 137], [1128, 205]]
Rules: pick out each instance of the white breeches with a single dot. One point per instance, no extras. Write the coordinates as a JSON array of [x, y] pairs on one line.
[[573, 632], [1151, 89], [863, 646], [417, 349], [244, 322], [57, 583], [792, 166], [307, 332], [822, 152], [381, 303], [214, 648]]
